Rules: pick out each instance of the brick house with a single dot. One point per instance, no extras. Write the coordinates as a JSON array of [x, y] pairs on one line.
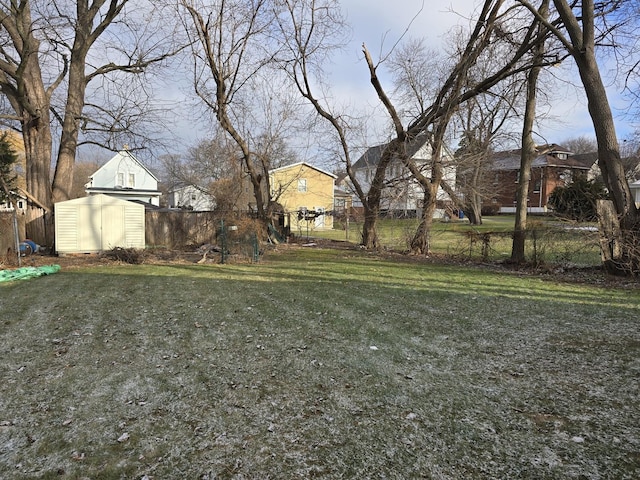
[[553, 167]]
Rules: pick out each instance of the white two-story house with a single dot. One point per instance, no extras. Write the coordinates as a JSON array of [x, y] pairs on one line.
[[402, 194], [125, 177]]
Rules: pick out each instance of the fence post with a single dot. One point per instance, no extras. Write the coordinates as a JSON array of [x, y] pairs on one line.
[[256, 250], [223, 246], [14, 218]]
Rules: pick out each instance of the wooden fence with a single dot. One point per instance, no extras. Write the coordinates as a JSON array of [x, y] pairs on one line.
[[180, 228], [8, 253]]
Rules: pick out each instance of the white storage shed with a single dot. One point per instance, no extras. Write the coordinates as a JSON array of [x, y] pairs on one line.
[[98, 223]]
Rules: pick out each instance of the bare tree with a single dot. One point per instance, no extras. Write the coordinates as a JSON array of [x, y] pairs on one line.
[[46, 46], [312, 30], [492, 24], [528, 150], [483, 124], [215, 167], [481, 121], [309, 23], [233, 52], [582, 144], [577, 30], [208, 161], [21, 81]]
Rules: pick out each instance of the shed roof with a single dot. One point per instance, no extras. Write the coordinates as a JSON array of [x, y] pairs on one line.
[[98, 199]]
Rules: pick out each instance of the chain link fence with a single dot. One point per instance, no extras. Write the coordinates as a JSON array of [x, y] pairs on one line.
[[549, 241], [225, 237]]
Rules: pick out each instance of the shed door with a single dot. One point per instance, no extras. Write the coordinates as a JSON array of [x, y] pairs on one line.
[[113, 233], [89, 229]]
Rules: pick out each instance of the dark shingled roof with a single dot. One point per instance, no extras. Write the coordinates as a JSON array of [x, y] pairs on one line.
[[372, 156], [547, 157]]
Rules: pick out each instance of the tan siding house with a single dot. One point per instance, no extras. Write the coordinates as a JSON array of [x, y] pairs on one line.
[[306, 193]]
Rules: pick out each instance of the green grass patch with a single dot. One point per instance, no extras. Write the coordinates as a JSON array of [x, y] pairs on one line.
[[317, 364], [549, 241]]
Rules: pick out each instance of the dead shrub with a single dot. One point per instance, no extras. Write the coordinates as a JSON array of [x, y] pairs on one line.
[[126, 255]]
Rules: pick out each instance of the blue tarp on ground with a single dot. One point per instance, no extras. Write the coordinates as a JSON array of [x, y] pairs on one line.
[[27, 272]]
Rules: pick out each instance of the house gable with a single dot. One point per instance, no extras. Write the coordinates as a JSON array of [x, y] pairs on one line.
[[403, 194], [304, 187], [125, 177]]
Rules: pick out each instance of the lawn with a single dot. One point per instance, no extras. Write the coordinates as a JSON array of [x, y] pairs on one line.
[[317, 363], [549, 240]]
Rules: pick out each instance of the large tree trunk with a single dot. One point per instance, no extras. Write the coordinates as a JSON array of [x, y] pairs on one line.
[[474, 213], [473, 205], [528, 152], [369, 229], [36, 134], [522, 196], [582, 47], [608, 147], [24, 88], [371, 202], [619, 233], [610, 237], [421, 241], [63, 177], [583, 51], [39, 219], [92, 21], [620, 249]]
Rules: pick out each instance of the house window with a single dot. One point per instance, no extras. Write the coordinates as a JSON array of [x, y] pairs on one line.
[[340, 205], [120, 179], [302, 184], [132, 180], [537, 185], [518, 176]]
